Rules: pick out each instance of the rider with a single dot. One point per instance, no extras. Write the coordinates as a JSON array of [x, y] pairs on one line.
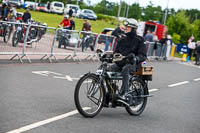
[[133, 48], [66, 22]]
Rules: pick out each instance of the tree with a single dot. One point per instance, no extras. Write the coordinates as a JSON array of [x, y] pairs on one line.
[[196, 29], [152, 13], [179, 24], [135, 11]]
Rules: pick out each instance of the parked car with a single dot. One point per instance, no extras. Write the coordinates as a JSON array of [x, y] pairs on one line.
[[57, 7], [88, 14], [42, 7], [75, 8], [31, 5], [17, 3]]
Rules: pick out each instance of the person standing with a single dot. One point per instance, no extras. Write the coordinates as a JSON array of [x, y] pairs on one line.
[[86, 25], [26, 16], [70, 12], [197, 50], [48, 6], [191, 46], [72, 24], [169, 45]]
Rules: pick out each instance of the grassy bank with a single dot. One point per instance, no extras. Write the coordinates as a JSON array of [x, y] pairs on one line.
[[53, 20]]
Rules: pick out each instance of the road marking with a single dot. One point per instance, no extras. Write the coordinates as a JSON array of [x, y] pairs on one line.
[[66, 77], [180, 83], [44, 122], [197, 79], [152, 90], [45, 73]]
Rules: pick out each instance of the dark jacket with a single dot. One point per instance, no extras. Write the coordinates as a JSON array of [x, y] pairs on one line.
[[26, 16], [72, 25], [131, 44], [70, 12]]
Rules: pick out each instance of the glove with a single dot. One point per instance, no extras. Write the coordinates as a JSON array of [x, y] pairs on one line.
[[131, 58]]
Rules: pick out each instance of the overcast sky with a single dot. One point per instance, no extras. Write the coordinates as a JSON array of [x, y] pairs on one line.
[[176, 4]]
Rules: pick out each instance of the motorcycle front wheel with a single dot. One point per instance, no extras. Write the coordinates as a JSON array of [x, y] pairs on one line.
[[15, 38], [89, 96], [7, 33], [138, 88]]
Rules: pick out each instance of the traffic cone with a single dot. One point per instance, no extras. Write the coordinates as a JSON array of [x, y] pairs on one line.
[[184, 57]]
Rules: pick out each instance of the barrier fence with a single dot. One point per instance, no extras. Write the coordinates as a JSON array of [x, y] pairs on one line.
[[48, 42]]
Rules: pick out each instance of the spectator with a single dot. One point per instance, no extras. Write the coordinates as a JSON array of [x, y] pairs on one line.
[[168, 45], [48, 6], [118, 32], [197, 57], [65, 22], [191, 46], [108, 41], [26, 16], [5, 12], [149, 36], [86, 25], [12, 14], [72, 24], [155, 40], [70, 12], [163, 43]]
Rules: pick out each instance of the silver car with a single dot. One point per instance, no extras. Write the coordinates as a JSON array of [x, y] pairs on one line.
[[88, 14]]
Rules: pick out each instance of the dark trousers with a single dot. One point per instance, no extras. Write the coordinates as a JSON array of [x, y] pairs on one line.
[[125, 70]]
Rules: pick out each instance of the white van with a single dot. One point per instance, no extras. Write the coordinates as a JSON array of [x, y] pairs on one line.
[[75, 8], [17, 3], [57, 7]]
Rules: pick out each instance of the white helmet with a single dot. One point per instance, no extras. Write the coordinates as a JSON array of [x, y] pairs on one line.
[[131, 23], [66, 16]]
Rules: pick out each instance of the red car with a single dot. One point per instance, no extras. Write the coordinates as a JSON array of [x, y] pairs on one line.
[[42, 7]]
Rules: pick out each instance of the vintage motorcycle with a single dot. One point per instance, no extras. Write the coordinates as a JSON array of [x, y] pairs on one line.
[[5, 31], [35, 33], [101, 89]]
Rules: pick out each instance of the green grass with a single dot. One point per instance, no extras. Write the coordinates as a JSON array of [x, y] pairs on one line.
[[53, 20]]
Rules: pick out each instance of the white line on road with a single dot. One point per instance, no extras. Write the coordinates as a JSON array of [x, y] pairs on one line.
[[180, 83], [40, 123], [197, 79], [152, 90]]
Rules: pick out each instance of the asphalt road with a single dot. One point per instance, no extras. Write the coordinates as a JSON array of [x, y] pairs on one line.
[[31, 93]]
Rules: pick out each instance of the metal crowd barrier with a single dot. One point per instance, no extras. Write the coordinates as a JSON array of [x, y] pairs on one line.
[[157, 50], [62, 42], [87, 45]]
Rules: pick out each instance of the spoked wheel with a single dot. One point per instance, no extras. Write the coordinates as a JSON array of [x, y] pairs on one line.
[[89, 96], [138, 89], [7, 33], [15, 38]]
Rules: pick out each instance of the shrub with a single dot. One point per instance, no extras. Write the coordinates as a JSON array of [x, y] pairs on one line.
[[176, 38]]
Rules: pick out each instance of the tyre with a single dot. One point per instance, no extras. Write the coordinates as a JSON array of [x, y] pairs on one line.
[[15, 39], [7, 33], [138, 88], [89, 96]]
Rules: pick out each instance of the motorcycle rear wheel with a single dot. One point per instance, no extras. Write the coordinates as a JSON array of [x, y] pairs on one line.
[[136, 110]]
